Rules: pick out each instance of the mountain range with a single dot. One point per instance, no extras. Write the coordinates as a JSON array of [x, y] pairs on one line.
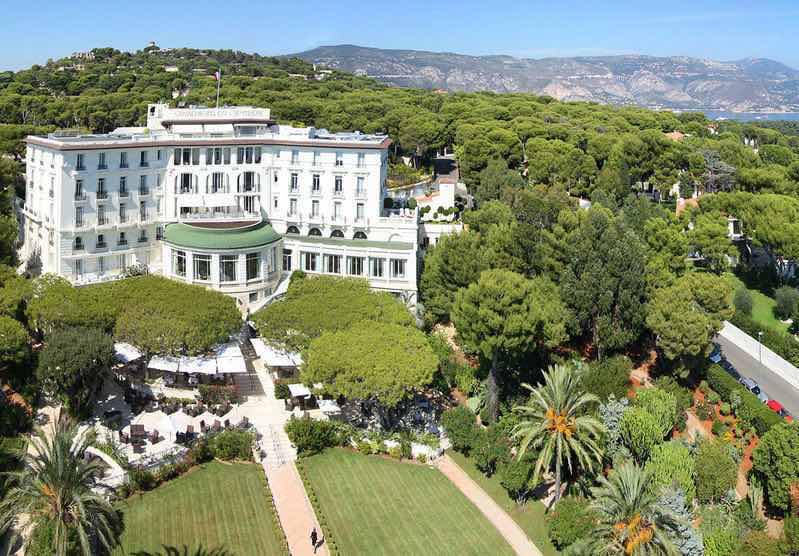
[[673, 82]]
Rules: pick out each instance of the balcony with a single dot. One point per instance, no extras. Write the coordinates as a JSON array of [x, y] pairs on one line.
[[102, 245], [144, 164], [102, 195], [80, 196], [122, 243], [102, 166], [123, 193], [211, 216], [123, 165], [143, 239], [143, 191], [80, 168]]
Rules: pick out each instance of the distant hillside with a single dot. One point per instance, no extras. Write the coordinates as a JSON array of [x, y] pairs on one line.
[[674, 82]]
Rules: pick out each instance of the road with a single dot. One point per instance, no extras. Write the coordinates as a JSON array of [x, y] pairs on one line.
[[772, 384]]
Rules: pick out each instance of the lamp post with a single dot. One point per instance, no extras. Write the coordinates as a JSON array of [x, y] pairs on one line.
[[760, 346]]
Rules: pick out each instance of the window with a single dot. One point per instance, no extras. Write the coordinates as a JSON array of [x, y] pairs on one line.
[[101, 192], [292, 230], [78, 268], [79, 164], [143, 159], [333, 264], [186, 183], [246, 155], [158, 154], [101, 165], [123, 261], [295, 157], [80, 195], [227, 268], [253, 297], [143, 236], [123, 160], [226, 155], [294, 182], [247, 182], [292, 207], [179, 263], [143, 211], [339, 159], [337, 233], [122, 240], [217, 182], [253, 266], [314, 208], [213, 156], [314, 232], [202, 267], [158, 209], [337, 210], [361, 159], [338, 185], [143, 189], [101, 265], [376, 268], [77, 245], [360, 186], [359, 235], [123, 186], [398, 268], [186, 156], [286, 259], [355, 266], [102, 220], [123, 213], [309, 262], [316, 158], [159, 232], [79, 217], [101, 241], [275, 202], [315, 183], [359, 212]]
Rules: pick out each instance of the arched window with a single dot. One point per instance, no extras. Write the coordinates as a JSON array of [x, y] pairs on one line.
[[292, 230], [359, 235], [314, 232], [78, 244], [337, 233]]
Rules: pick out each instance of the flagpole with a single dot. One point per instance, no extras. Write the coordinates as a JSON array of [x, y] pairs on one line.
[[218, 83]]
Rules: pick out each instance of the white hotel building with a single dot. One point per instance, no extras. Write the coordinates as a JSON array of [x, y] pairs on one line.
[[220, 197]]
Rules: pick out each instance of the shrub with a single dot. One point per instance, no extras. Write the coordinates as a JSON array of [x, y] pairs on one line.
[[716, 471], [713, 397], [461, 427], [721, 542], [311, 436], [661, 405], [786, 299], [725, 408], [141, 480], [14, 418], [609, 376], [411, 203], [640, 432], [213, 394], [515, 476], [282, 391], [717, 428], [672, 465], [758, 543], [703, 411], [232, 444], [365, 447], [683, 396], [395, 452], [406, 450], [742, 300], [791, 531], [422, 458], [200, 452], [570, 520], [747, 406], [491, 449]]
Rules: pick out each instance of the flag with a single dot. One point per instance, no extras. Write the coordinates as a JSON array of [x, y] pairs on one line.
[[218, 75]]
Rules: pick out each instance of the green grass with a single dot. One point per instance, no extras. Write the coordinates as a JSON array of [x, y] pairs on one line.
[[530, 517], [371, 505], [213, 506], [762, 305]]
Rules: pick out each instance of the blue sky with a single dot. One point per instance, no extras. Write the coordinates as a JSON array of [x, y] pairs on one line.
[[33, 31]]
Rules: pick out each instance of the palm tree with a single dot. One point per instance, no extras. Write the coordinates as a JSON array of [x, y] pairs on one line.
[[55, 488], [631, 520], [186, 551], [556, 424]]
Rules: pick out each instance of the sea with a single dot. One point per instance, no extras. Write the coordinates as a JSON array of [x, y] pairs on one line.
[[750, 116]]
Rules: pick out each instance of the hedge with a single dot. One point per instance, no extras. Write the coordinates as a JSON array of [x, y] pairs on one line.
[[751, 408], [781, 343]]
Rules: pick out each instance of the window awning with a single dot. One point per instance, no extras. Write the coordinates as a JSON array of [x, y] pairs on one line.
[[164, 363], [273, 357], [198, 365], [299, 391], [125, 353]]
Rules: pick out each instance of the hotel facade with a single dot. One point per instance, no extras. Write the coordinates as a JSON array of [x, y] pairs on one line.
[[224, 198]]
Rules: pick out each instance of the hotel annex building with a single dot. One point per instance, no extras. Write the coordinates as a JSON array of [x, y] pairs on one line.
[[224, 198]]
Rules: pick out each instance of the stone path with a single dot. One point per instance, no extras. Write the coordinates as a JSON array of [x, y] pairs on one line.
[[294, 509], [508, 528]]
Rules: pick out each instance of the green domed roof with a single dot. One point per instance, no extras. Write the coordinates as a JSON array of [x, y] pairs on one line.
[[242, 236]]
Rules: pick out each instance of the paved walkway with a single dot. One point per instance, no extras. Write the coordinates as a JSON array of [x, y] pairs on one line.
[[294, 509], [508, 528]]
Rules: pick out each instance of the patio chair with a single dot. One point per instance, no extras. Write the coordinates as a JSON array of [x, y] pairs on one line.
[[154, 436], [217, 426], [227, 423]]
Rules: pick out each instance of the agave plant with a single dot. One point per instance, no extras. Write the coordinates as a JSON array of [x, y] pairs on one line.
[[556, 423], [54, 488]]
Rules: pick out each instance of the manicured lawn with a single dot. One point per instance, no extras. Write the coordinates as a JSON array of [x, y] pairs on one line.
[[530, 516], [216, 505], [762, 306], [372, 505]]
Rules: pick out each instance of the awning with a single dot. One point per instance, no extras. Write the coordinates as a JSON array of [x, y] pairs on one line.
[[299, 391], [181, 420], [273, 357], [125, 353], [199, 365], [231, 349], [164, 363], [231, 365]]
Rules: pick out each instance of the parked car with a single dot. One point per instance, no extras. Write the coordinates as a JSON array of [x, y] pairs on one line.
[[753, 387], [777, 408], [715, 355]]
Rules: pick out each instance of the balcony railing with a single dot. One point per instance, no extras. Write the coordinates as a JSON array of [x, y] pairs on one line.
[[102, 195], [102, 166], [143, 239], [122, 242], [103, 221], [123, 165], [231, 215], [123, 193], [102, 245], [144, 164], [144, 191], [80, 196]]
